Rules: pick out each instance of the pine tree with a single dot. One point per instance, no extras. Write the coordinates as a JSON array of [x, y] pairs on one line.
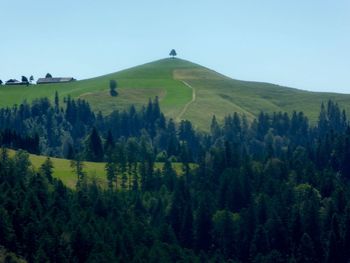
[[203, 227], [336, 252], [187, 231], [78, 166], [322, 121], [224, 232], [277, 234], [260, 243], [109, 144], [124, 181], [132, 151], [111, 171], [156, 109], [176, 213], [346, 232], [306, 251], [57, 102], [82, 244], [70, 152], [7, 234], [46, 168], [94, 150]]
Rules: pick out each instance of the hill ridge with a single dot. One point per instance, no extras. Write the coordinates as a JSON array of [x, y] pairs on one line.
[[216, 94]]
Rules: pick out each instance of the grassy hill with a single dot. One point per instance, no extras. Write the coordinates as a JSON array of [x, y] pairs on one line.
[[186, 91]]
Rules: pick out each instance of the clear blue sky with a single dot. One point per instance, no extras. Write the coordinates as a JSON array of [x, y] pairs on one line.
[[298, 43]]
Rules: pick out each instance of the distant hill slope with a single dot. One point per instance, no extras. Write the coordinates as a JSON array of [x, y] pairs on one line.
[[186, 91]]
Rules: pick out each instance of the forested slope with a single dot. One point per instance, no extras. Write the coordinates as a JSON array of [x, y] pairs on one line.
[[274, 190]]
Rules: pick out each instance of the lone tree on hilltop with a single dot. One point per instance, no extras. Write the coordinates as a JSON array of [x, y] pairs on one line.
[[113, 88], [48, 76], [173, 53]]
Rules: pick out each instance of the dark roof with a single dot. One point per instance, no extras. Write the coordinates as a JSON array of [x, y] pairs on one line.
[[54, 80], [14, 82]]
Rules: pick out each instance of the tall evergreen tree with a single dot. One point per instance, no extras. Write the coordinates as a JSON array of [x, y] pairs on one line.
[[94, 149], [77, 166], [306, 251], [336, 252], [111, 171], [57, 102], [203, 227], [47, 169]]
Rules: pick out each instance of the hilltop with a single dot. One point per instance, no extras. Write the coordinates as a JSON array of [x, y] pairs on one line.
[[186, 91]]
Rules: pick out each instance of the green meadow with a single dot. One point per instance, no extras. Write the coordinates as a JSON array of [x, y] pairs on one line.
[[95, 171]]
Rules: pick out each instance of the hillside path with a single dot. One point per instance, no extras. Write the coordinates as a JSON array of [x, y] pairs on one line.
[[178, 118]]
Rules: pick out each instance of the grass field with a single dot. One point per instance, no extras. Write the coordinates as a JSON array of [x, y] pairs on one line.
[[215, 93], [95, 171]]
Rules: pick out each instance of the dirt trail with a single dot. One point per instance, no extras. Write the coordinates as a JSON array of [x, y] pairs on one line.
[[179, 117]]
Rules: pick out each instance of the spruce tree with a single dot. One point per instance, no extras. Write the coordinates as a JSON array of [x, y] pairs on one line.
[[336, 252], [111, 171], [46, 168], [57, 102], [203, 227], [77, 166], [109, 144], [306, 251], [94, 149]]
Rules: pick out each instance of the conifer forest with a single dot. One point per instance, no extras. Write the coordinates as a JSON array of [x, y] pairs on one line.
[[271, 189]]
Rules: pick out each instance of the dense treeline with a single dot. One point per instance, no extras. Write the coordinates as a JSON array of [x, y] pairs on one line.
[[71, 127], [12, 139], [274, 190]]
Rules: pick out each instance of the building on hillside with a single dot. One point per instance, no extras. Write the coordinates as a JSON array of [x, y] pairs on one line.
[[54, 80], [15, 82]]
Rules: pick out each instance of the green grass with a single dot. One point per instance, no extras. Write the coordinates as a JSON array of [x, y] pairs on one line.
[[221, 96], [215, 93], [94, 171]]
